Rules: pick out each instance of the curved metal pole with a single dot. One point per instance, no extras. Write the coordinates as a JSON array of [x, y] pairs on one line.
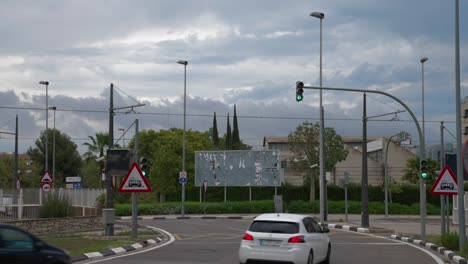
[[386, 173], [422, 147]]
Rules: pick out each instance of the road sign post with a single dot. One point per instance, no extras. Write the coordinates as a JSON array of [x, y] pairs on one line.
[[205, 188]]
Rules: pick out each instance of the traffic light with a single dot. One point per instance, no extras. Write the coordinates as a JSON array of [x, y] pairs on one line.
[[424, 169], [144, 166], [299, 91]]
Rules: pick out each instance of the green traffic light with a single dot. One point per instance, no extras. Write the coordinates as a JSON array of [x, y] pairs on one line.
[[424, 175], [299, 97]]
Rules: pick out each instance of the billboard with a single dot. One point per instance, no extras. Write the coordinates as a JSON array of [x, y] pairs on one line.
[[237, 168]]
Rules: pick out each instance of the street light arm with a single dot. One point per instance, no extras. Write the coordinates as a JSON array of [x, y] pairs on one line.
[[421, 138]]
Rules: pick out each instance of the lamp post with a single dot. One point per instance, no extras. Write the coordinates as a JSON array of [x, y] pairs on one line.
[[423, 60], [46, 83], [323, 184], [422, 182], [183, 62], [53, 147]]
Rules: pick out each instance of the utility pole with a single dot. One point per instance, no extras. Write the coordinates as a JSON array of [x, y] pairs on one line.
[[364, 191], [109, 190], [461, 191], [16, 155]]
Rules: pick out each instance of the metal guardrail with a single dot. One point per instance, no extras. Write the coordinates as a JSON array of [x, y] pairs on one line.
[[25, 203]]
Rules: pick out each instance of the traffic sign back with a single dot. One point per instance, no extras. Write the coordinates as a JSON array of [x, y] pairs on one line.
[[135, 181], [446, 183]]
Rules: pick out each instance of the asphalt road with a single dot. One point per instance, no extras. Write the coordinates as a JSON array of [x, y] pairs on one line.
[[217, 241]]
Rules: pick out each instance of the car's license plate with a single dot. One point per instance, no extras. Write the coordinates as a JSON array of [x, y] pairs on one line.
[[266, 242]]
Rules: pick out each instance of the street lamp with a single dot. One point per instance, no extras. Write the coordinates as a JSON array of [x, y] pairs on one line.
[[46, 83], [323, 184], [423, 59], [53, 148], [184, 62]]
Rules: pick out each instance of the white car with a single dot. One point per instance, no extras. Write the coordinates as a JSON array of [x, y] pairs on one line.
[[285, 238]]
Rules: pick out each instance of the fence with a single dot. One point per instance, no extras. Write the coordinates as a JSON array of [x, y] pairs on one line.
[[25, 203]]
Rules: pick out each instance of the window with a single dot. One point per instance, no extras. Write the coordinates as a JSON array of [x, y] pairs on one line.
[[311, 225], [15, 239], [274, 227]]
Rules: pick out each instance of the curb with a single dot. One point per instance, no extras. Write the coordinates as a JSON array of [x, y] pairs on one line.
[[347, 228], [117, 250], [441, 250]]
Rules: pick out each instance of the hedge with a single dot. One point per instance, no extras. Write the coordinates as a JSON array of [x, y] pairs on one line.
[[409, 194], [267, 206]]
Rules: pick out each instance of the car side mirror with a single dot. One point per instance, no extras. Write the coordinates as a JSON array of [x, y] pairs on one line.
[[39, 245], [325, 230]]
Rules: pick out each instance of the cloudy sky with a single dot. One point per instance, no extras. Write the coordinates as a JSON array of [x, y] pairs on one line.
[[243, 53]]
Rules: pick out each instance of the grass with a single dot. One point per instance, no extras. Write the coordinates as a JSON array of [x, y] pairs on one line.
[[79, 244], [450, 242]]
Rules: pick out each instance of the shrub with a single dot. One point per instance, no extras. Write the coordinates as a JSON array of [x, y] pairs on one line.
[[55, 205], [450, 241]]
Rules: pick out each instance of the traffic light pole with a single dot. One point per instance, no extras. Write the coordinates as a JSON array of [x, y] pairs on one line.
[[422, 147]]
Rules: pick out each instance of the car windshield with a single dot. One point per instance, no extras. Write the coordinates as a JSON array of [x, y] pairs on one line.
[[274, 227]]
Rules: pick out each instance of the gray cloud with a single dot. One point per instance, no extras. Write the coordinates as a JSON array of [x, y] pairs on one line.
[[239, 53]]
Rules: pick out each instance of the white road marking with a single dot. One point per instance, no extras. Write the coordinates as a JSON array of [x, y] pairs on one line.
[[386, 244], [435, 257], [237, 229]]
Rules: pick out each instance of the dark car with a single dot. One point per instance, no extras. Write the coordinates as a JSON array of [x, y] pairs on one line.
[[20, 246]]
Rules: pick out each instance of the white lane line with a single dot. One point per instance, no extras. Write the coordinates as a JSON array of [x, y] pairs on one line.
[[237, 229], [171, 240], [379, 244], [435, 257], [207, 242]]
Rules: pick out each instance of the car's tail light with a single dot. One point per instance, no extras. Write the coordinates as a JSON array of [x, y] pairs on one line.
[[296, 239], [248, 236]]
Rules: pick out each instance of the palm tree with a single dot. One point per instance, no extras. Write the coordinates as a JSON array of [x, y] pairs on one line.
[[97, 145], [412, 170]]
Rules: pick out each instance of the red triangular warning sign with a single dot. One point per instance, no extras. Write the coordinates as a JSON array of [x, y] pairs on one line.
[[46, 177], [134, 181], [446, 183]]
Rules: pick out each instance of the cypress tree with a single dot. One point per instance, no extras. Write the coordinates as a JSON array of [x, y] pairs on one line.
[[228, 134], [215, 132], [235, 132]]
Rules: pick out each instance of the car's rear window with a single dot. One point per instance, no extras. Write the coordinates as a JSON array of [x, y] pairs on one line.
[[274, 227]]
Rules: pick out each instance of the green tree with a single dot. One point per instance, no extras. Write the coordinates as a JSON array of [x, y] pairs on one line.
[[236, 142], [28, 173], [5, 182], [228, 137], [67, 157], [164, 152], [96, 148], [215, 134], [304, 147], [412, 173], [90, 175]]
